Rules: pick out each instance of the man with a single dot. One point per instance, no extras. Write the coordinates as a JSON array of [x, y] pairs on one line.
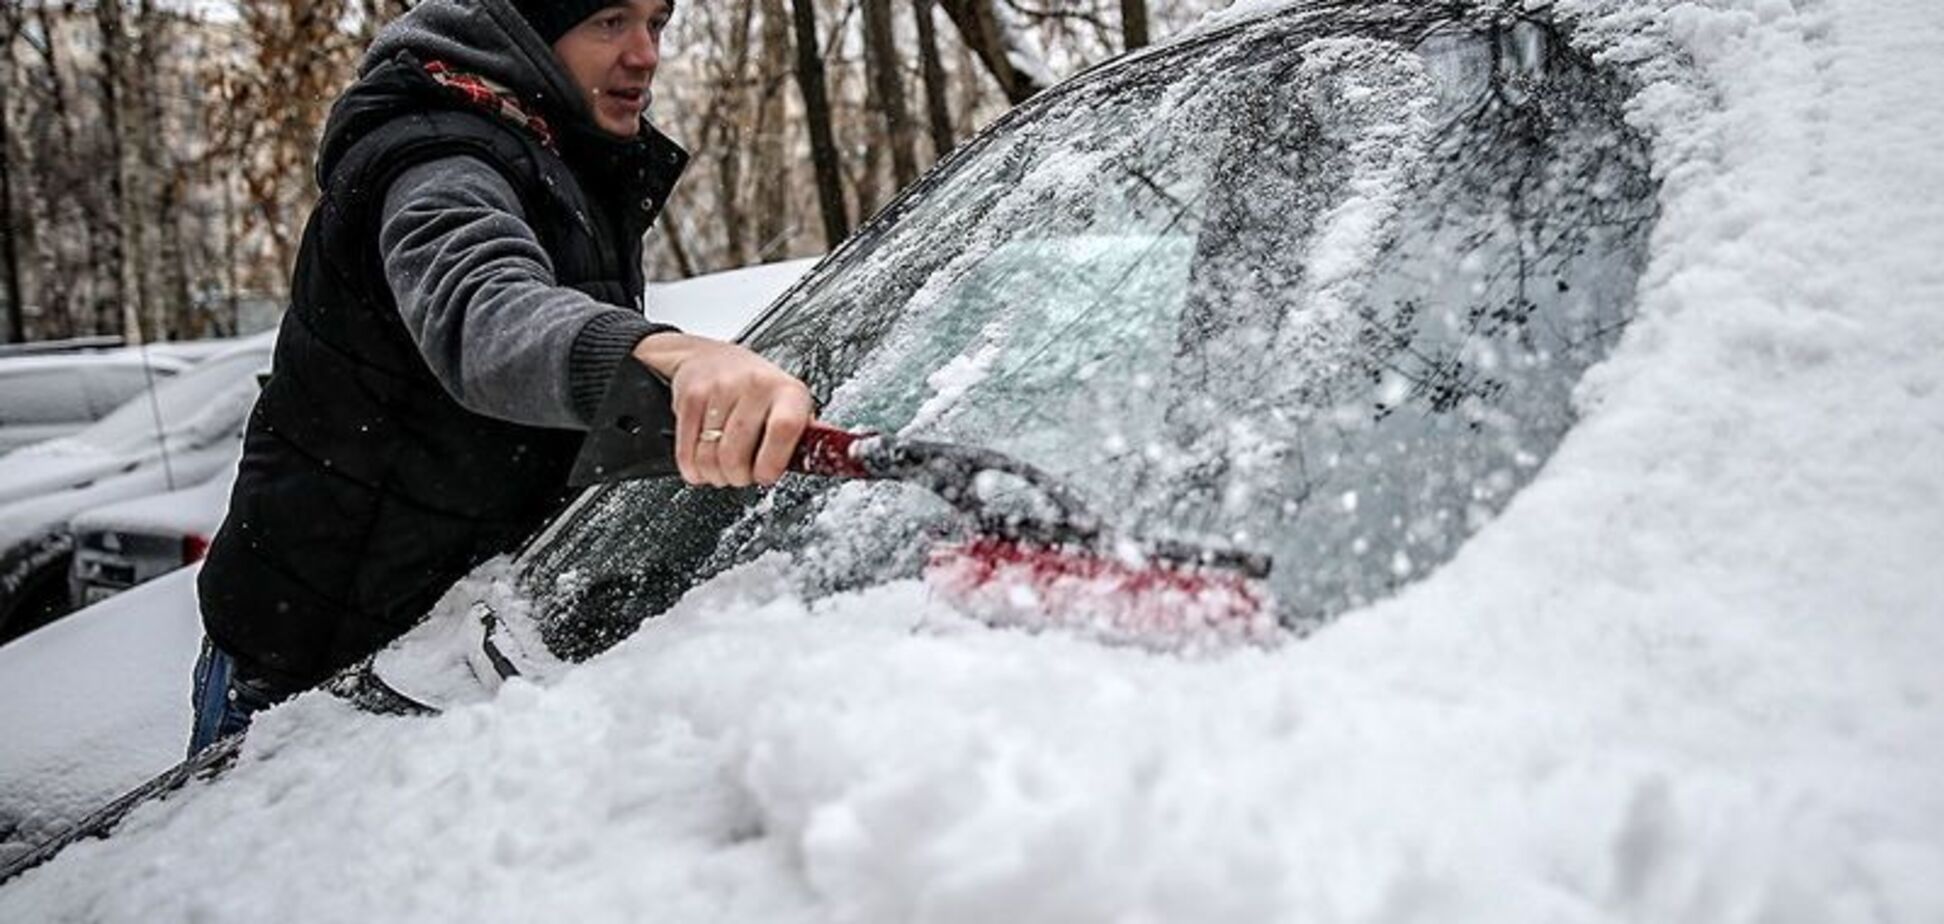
[[466, 288]]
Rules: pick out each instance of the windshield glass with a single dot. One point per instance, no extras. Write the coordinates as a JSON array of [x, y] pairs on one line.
[[1325, 298], [215, 394]]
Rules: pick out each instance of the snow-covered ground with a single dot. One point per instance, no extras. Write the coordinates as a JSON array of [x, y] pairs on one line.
[[1689, 675]]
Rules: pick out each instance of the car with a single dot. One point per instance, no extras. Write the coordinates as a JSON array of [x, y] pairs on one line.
[[181, 434], [45, 397], [120, 545], [1555, 364]]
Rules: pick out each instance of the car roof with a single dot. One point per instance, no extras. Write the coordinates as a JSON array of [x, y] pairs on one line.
[[32, 365]]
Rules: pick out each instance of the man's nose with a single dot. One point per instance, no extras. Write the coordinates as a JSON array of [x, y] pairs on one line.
[[642, 49]]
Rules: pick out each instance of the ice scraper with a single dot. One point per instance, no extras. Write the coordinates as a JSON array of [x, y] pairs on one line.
[[1050, 563]]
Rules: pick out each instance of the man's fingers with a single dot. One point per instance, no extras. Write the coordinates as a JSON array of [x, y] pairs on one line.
[[788, 418], [690, 405], [753, 412], [715, 452], [744, 428]]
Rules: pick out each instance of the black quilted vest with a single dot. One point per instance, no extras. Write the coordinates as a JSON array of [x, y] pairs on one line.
[[365, 490]]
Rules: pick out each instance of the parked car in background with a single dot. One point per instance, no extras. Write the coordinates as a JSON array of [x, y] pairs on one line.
[[181, 435], [120, 545], [44, 397]]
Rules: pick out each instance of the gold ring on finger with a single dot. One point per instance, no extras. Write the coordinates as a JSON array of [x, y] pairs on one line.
[[711, 435]]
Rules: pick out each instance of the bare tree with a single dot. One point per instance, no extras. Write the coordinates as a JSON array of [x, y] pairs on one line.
[[939, 111], [1134, 23], [300, 60], [816, 106], [770, 144], [127, 292], [882, 61], [9, 250], [997, 46]]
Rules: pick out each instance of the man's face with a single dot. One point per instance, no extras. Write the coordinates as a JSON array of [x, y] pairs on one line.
[[611, 56]]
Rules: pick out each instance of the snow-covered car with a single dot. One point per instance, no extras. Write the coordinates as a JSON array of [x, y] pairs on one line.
[[1580, 378], [181, 434], [120, 545], [46, 397]]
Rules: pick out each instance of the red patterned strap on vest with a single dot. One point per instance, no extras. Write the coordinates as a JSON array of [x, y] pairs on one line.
[[493, 97]]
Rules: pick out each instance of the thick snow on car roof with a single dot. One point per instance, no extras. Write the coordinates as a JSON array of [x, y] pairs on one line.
[[719, 305], [1688, 674]]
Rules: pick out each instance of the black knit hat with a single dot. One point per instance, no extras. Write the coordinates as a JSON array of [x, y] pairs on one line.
[[552, 18]]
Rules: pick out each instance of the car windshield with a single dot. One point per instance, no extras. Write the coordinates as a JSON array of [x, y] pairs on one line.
[[1300, 287]]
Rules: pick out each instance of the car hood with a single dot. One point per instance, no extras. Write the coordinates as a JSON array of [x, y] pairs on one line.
[[55, 465], [27, 518]]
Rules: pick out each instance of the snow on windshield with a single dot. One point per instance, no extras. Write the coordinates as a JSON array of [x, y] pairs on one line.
[[1212, 299]]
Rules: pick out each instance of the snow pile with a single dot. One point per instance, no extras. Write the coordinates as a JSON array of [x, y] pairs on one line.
[[1689, 674]]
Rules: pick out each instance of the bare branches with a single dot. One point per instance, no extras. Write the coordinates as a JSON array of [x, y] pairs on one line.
[[155, 166]]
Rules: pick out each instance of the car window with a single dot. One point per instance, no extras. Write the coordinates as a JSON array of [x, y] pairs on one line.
[[109, 387], [1321, 296], [42, 396], [216, 392]]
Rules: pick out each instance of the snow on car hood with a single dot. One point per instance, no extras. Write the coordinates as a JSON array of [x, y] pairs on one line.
[[1688, 675], [197, 510]]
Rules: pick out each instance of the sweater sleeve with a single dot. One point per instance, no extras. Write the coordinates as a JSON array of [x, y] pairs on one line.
[[477, 292]]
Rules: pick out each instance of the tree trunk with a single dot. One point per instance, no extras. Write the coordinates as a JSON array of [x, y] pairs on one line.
[[936, 106], [978, 24], [728, 106], [9, 250], [1134, 23], [773, 225], [165, 282], [882, 60], [816, 111], [672, 233], [61, 286], [114, 99]]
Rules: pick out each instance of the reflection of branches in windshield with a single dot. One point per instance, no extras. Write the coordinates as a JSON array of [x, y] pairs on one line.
[[1543, 157], [1100, 295], [1514, 139], [1140, 175]]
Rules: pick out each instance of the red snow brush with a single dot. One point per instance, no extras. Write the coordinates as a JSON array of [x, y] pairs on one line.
[[1056, 564], [1048, 562]]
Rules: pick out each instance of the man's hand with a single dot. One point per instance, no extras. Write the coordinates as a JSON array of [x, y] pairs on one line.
[[737, 416]]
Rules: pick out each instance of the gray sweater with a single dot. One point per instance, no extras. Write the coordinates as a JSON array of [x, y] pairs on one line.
[[477, 293]]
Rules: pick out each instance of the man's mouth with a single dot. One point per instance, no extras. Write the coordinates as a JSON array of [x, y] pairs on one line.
[[633, 96]]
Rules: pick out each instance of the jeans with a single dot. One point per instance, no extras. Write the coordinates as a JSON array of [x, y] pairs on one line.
[[224, 702]]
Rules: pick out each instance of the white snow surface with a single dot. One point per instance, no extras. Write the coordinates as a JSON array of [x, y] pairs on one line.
[[194, 510], [1690, 674], [89, 703], [721, 304]]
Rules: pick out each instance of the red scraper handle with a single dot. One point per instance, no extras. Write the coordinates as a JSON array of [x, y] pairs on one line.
[[826, 450]]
